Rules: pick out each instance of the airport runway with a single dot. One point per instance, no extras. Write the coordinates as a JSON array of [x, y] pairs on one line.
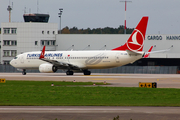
[[93, 112], [88, 113], [117, 80]]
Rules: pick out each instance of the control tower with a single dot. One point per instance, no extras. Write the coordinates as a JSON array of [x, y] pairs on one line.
[[36, 18]]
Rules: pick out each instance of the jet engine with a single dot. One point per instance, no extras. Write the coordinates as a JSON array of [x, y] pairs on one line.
[[47, 68]]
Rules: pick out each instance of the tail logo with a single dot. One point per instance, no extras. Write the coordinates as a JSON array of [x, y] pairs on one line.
[[136, 41]]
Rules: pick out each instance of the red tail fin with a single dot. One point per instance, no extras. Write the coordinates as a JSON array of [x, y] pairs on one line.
[[136, 40], [42, 53]]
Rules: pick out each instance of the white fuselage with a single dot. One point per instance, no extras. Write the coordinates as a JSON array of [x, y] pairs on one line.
[[82, 59]]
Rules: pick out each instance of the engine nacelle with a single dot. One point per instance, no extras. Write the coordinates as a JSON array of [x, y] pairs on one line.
[[47, 68]]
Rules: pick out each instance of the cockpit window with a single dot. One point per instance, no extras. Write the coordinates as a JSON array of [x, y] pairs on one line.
[[15, 57]]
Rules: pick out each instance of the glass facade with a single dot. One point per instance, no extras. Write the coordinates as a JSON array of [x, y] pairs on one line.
[[36, 18]]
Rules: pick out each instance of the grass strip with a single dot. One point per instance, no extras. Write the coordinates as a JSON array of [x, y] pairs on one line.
[[41, 93]]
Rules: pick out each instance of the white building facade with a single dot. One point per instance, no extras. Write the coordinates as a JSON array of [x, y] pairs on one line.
[[17, 38]]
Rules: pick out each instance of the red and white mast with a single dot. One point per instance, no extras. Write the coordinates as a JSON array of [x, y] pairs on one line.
[[125, 16]]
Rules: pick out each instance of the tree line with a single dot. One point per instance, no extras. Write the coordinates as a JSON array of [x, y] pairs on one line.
[[106, 30]]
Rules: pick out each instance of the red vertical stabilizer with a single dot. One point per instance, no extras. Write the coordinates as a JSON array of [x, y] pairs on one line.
[[136, 40]]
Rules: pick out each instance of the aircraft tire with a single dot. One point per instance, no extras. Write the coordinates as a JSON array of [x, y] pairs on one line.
[[24, 72], [69, 73], [86, 72]]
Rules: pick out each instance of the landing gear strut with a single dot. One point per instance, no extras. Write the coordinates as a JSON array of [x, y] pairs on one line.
[[87, 72], [69, 72], [24, 72]]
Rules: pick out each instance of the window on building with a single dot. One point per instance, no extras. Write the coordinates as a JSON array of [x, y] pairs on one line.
[[47, 32], [36, 42], [12, 42], [42, 32], [53, 42], [42, 42], [6, 42], [13, 30], [6, 53], [53, 32], [13, 53], [48, 43], [6, 62], [15, 42], [6, 30], [9, 42]]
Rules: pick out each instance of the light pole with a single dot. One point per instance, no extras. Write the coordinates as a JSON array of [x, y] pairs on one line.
[[60, 13]]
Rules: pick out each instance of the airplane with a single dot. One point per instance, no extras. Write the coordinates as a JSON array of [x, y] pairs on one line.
[[82, 61]]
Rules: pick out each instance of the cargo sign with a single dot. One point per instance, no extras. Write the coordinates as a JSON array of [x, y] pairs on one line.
[[160, 37], [2, 80], [148, 85]]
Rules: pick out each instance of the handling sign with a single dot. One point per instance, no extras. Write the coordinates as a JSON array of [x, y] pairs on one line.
[[148, 85], [2, 80]]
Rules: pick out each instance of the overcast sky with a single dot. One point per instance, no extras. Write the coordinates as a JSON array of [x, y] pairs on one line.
[[164, 15]]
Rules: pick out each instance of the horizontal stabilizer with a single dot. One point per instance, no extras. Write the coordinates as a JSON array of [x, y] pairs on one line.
[[159, 51], [133, 53]]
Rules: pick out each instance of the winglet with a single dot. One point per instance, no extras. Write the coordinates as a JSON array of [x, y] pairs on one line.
[[148, 53], [42, 53]]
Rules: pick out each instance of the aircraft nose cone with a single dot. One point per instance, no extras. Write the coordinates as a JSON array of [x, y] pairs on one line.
[[11, 62]]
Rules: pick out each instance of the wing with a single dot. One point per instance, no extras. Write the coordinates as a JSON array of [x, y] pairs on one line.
[[58, 64]]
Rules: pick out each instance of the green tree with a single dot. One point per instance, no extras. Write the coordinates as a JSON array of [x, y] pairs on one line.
[[65, 30]]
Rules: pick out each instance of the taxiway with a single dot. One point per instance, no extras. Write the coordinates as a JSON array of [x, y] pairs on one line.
[[93, 112]]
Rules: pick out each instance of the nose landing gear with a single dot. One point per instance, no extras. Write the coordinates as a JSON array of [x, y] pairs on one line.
[[24, 72]]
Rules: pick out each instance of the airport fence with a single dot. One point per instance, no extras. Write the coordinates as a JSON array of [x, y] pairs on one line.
[[122, 69]]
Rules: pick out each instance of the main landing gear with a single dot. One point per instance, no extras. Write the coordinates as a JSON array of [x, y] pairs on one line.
[[87, 72], [69, 72], [24, 72]]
